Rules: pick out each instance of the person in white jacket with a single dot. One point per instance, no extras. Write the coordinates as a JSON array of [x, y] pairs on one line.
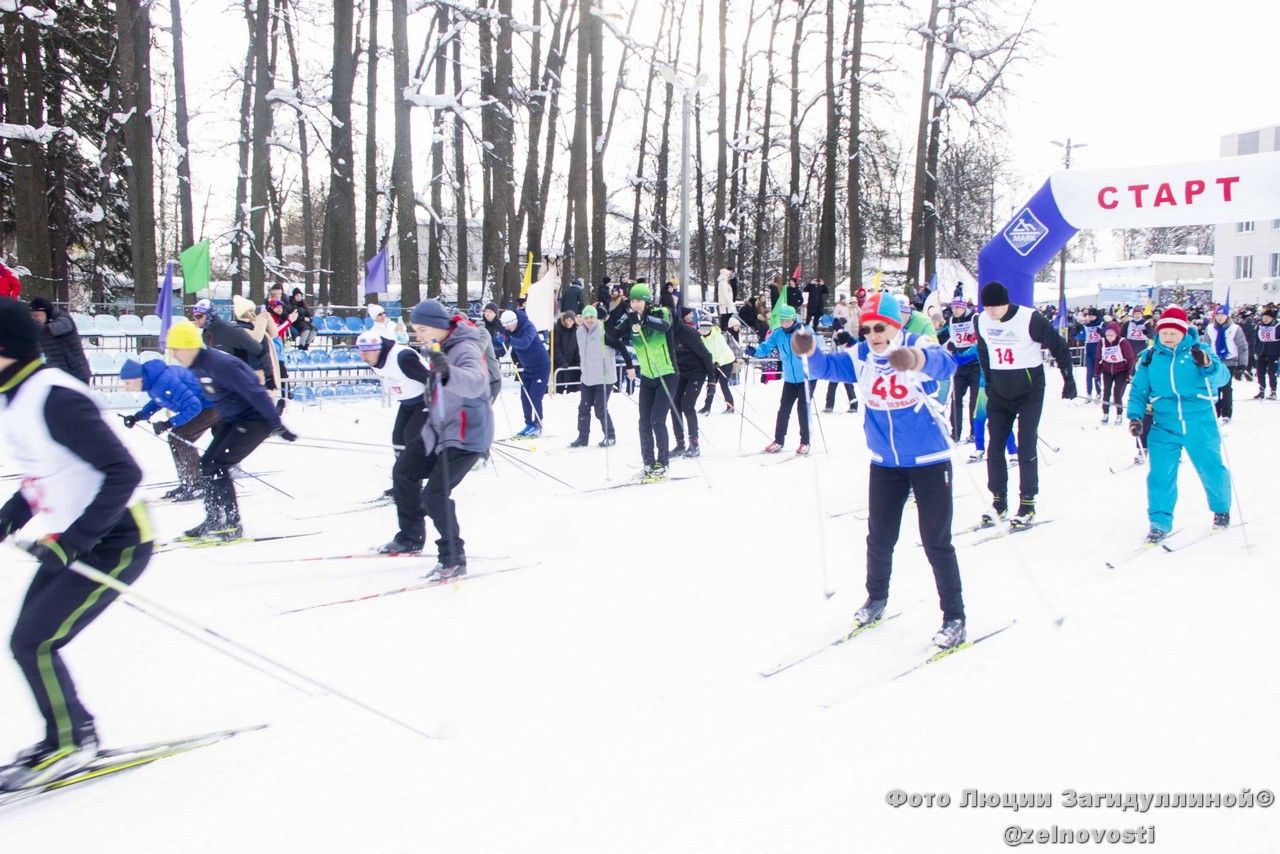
[[385, 326], [726, 285]]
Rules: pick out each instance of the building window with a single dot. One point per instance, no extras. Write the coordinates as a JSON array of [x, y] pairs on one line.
[[1275, 223], [1275, 264], [1247, 143], [1244, 267], [1244, 226]]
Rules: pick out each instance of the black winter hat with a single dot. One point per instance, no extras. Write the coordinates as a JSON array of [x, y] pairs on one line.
[[42, 304], [994, 293], [19, 332]]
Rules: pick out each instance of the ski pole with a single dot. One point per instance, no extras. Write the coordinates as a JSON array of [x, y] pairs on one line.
[[1226, 460], [1042, 440], [219, 642], [519, 462], [827, 592]]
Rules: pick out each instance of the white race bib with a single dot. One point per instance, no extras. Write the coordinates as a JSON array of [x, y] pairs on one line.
[[1092, 335], [1267, 333], [1112, 355], [963, 334], [1137, 332], [887, 391]]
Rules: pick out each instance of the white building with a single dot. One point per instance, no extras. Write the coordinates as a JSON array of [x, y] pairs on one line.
[[1248, 253], [1134, 282]]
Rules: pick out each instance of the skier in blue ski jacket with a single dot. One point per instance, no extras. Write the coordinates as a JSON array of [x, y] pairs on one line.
[[794, 392], [909, 436], [1179, 377], [176, 389], [535, 366]]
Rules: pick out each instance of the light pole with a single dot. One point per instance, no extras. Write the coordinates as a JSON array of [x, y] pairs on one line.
[[1062, 256], [686, 97]]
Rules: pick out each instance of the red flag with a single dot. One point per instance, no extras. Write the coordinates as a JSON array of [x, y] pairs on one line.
[[795, 277]]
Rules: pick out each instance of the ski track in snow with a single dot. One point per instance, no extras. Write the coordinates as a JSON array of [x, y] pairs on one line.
[[609, 700]]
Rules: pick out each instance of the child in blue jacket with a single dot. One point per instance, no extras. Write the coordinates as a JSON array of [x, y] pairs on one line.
[[909, 436], [174, 388], [794, 393], [1179, 377]]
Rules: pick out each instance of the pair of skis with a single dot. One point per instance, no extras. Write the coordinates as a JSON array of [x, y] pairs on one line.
[[1170, 544], [214, 542], [114, 761], [424, 584]]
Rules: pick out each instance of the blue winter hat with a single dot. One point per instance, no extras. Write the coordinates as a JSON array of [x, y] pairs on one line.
[[431, 312], [131, 370]]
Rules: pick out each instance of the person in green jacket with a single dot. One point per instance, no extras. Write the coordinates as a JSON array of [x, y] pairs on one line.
[[648, 328], [723, 356]]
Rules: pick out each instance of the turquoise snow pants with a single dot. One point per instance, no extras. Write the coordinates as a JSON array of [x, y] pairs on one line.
[[1204, 447]]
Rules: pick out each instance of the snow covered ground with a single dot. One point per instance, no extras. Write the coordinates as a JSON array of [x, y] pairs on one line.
[[608, 698]]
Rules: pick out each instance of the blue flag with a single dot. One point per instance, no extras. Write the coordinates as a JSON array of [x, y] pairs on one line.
[[1225, 308], [164, 303], [375, 273], [933, 283], [1060, 318]]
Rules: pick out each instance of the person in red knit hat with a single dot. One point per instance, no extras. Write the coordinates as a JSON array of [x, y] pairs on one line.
[[9, 284]]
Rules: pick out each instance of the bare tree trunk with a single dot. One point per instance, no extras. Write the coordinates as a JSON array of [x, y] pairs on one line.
[[134, 66], [553, 115], [915, 248], [700, 268], [488, 219], [659, 231], [371, 189], [827, 228], [505, 279], [56, 165], [402, 163], [638, 182], [722, 152], [766, 146], [261, 176], [729, 247], [25, 105], [435, 229], [460, 180], [308, 225], [794, 200], [579, 263], [857, 236], [530, 207], [341, 212], [599, 192], [181, 120], [242, 175]]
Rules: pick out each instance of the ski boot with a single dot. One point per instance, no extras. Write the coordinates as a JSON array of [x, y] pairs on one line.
[[827, 410], [802, 451], [692, 451], [1155, 535], [1000, 511], [1106, 418], [728, 409], [578, 443], [1222, 520], [398, 546], [182, 493], [608, 442], [1026, 514], [447, 571], [1271, 395], [951, 634], [42, 763], [773, 447], [654, 473], [678, 450], [1260, 395], [871, 611]]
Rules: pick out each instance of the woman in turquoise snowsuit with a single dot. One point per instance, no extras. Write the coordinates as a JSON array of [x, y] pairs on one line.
[[1180, 377]]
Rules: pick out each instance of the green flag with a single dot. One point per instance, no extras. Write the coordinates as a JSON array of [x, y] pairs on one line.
[[195, 267]]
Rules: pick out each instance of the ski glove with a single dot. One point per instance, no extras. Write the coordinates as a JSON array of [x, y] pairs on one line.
[[843, 339], [285, 433], [129, 420], [161, 426], [1069, 389], [906, 359], [51, 555], [1135, 427], [802, 342], [438, 364], [750, 350], [1200, 357]]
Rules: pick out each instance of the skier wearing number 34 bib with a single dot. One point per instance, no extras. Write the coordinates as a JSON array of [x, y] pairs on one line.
[[908, 434]]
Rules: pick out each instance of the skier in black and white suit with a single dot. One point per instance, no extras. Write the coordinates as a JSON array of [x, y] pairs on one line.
[[77, 500], [1010, 343]]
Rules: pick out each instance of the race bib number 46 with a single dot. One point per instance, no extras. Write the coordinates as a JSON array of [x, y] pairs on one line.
[[889, 392]]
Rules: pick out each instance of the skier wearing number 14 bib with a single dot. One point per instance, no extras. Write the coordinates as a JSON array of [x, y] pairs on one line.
[[908, 435], [1010, 340]]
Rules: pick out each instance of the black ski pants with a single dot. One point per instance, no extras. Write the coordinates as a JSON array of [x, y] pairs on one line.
[[688, 387], [655, 403], [594, 398], [232, 442], [888, 488], [1266, 371], [831, 393], [966, 379], [413, 498], [1113, 386], [1001, 415], [408, 424], [57, 607], [186, 456], [722, 379], [1223, 405], [793, 394]]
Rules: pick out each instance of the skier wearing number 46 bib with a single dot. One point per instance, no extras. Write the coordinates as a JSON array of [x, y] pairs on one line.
[[909, 439], [1010, 340]]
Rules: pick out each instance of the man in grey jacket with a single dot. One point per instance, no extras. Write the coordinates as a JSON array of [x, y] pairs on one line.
[[598, 364], [1232, 346], [458, 429]]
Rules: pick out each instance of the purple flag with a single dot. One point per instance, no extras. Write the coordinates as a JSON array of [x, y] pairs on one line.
[[164, 303], [375, 274], [1060, 318]]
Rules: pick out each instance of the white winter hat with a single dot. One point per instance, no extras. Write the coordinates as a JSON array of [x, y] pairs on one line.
[[508, 317], [369, 341], [375, 310]]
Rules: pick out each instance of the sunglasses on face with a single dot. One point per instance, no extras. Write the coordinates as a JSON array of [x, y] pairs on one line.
[[879, 329]]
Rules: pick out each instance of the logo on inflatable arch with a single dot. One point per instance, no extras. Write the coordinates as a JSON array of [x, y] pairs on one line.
[[1025, 232]]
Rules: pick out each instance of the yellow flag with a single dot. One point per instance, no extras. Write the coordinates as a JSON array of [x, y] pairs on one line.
[[875, 281], [528, 276]]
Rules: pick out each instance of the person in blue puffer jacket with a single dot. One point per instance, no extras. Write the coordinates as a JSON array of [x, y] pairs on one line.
[[909, 435], [534, 366], [794, 393], [173, 388], [1179, 377]]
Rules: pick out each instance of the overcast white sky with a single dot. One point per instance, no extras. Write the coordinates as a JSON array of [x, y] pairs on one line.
[[1139, 81]]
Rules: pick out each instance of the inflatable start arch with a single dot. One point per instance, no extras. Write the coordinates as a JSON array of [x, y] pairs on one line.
[[1234, 189]]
